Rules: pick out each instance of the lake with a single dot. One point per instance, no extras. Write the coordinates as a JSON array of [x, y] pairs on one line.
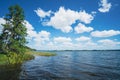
[[72, 65]]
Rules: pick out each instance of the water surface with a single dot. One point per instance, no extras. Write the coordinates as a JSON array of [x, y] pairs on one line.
[[67, 65], [74, 65]]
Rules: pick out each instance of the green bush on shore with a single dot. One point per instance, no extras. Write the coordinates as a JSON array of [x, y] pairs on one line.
[[14, 58]]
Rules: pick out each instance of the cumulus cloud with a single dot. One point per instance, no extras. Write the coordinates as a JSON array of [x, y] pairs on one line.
[[41, 13], [42, 37], [83, 38], [30, 29], [109, 44], [66, 43], [64, 18], [85, 17], [62, 39], [81, 28], [108, 41], [2, 21], [60, 43], [83, 43], [105, 33], [42, 40], [104, 6], [37, 38]]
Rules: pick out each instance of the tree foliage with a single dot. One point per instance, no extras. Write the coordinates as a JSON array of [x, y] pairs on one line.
[[12, 39]]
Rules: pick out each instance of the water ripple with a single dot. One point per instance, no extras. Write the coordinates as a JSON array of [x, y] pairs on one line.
[[74, 65]]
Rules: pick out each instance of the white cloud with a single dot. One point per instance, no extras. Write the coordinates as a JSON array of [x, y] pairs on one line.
[[42, 41], [81, 28], [94, 12], [105, 33], [83, 38], [41, 13], [66, 43], [109, 44], [42, 37], [58, 43], [62, 40], [104, 6], [37, 38], [87, 45], [85, 17], [30, 29], [90, 44], [64, 18], [2, 21]]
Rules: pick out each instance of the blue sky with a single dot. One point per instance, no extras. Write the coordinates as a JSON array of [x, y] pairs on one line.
[[69, 24]]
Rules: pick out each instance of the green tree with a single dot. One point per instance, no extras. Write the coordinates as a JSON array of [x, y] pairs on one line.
[[12, 39]]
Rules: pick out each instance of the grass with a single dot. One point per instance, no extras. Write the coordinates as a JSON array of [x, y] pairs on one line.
[[29, 54], [14, 59], [47, 54], [3, 59]]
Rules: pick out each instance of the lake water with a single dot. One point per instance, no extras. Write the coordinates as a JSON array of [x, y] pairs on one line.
[[73, 65]]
